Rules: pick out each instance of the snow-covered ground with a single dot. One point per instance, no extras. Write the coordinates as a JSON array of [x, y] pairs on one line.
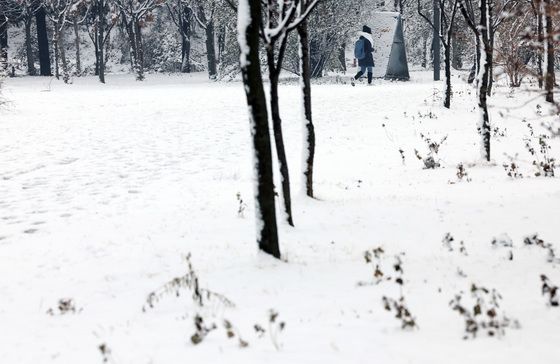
[[104, 189]]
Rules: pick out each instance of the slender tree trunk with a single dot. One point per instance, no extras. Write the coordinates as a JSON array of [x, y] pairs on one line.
[[77, 45], [278, 134], [448, 89], [100, 41], [3, 46], [484, 123], [62, 52], [490, 52], [31, 71], [425, 52], [436, 41], [540, 38], [135, 52], [56, 52], [267, 233], [550, 60], [211, 50], [308, 127], [139, 48], [43, 41], [185, 43], [342, 57]]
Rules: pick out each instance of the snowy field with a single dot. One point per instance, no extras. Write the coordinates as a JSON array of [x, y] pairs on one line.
[[104, 190]]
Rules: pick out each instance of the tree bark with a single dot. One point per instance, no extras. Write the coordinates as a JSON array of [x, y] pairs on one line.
[[211, 50], [77, 46], [278, 134], [436, 41], [31, 71], [62, 53], [43, 41], [186, 32], [484, 124], [308, 127], [550, 59], [56, 52], [3, 46], [100, 41], [267, 233], [540, 38], [448, 89]]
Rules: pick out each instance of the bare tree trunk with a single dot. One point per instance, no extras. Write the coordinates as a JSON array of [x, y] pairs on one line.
[[31, 71], [278, 135], [448, 89], [43, 41], [490, 52], [540, 38], [267, 234], [308, 127], [436, 41], [484, 123], [56, 52], [100, 41], [77, 45], [425, 52], [550, 59], [211, 50], [62, 52], [342, 57], [186, 26], [3, 46]]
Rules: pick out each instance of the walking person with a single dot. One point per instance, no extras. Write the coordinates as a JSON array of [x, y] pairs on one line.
[[363, 52]]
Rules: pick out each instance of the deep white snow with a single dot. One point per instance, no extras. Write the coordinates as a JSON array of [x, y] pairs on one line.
[[105, 188]]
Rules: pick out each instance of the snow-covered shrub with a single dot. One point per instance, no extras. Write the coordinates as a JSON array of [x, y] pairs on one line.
[[242, 206], [190, 283], [552, 129], [373, 257], [462, 174], [534, 240], [482, 313], [105, 352], [448, 243], [65, 306], [512, 167], [431, 160], [504, 241], [275, 327], [550, 291], [399, 305]]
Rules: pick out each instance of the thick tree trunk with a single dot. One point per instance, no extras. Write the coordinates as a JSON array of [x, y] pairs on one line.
[[308, 127], [550, 59], [77, 46], [31, 71], [267, 234], [43, 41], [211, 50]]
